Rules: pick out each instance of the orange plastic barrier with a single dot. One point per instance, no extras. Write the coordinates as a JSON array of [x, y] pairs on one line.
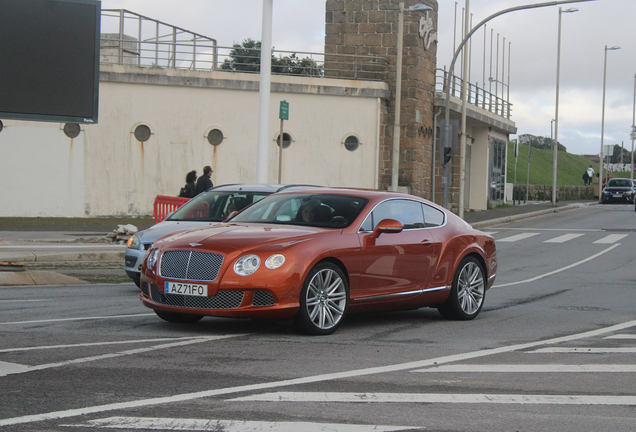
[[165, 204]]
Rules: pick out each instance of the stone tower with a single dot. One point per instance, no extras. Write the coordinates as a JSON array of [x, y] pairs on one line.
[[370, 28]]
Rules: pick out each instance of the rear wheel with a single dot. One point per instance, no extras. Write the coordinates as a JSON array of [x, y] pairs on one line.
[[324, 300], [175, 317], [467, 292]]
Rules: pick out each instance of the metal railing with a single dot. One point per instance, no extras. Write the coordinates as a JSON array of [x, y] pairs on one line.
[[477, 96], [132, 39]]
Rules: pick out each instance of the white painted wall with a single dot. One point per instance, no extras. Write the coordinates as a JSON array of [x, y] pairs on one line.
[[41, 170], [107, 172]]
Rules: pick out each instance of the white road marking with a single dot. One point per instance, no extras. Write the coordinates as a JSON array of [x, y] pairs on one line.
[[612, 238], [561, 269], [172, 424], [531, 368], [621, 336], [433, 398], [45, 347], [586, 350], [14, 370], [311, 379], [551, 229], [78, 319], [563, 238], [490, 232], [517, 237]]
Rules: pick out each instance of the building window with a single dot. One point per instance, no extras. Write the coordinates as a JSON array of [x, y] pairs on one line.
[[72, 130], [287, 139], [142, 133], [351, 143], [215, 137]]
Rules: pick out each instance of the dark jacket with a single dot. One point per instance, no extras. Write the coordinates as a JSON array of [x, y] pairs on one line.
[[203, 183]]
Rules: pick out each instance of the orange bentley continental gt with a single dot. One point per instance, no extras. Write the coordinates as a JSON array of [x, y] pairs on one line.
[[317, 254]]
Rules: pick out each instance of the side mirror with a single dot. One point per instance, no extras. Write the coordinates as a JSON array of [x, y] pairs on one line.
[[388, 226]]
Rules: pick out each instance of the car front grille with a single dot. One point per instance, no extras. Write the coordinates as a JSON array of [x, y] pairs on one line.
[[263, 298], [223, 300], [190, 265]]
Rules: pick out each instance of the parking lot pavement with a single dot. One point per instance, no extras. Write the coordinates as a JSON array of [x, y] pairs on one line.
[[74, 250]]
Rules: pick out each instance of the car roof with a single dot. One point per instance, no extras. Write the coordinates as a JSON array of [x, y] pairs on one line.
[[257, 187], [363, 193]]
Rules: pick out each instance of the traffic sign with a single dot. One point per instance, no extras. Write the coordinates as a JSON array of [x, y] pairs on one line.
[[284, 110]]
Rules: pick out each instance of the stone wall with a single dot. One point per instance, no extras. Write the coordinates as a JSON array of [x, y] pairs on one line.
[[356, 28], [544, 193]]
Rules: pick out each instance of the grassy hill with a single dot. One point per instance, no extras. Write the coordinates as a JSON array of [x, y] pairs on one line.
[[570, 167]]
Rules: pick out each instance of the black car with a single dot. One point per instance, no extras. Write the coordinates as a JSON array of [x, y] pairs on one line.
[[618, 190]]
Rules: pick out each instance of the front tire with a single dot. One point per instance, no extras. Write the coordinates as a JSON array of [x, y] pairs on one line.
[[467, 292], [324, 300], [175, 317]]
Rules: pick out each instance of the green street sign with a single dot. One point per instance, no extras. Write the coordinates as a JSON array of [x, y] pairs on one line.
[[284, 110]]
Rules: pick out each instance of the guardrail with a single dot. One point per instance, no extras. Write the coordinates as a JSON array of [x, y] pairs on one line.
[[477, 96]]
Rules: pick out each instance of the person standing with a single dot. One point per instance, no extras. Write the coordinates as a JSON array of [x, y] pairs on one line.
[[204, 183], [189, 190], [590, 174], [586, 178], [596, 182]]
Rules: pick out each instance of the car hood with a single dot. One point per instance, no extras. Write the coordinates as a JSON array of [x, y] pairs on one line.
[[166, 227], [228, 237]]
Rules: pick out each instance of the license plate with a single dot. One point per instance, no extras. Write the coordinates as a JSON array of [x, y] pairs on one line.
[[186, 289]]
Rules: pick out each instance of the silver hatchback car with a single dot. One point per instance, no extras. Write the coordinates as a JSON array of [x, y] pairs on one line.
[[207, 208]]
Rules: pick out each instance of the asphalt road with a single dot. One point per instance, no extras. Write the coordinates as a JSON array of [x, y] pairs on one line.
[[552, 350]]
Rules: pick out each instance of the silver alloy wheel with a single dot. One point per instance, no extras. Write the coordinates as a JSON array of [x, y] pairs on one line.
[[471, 287], [326, 299]]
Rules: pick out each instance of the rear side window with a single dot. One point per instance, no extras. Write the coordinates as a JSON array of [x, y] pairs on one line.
[[432, 216], [408, 212]]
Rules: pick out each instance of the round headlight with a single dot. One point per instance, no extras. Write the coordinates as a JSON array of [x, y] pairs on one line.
[[133, 242], [152, 258], [247, 265], [275, 261]]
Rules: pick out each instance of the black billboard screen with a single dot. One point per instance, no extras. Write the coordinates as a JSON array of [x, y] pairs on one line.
[[49, 60]]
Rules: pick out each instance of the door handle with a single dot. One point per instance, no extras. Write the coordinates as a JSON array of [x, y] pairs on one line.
[[427, 243]]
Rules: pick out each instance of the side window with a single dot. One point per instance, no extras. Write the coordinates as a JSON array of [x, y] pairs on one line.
[[432, 216], [409, 213]]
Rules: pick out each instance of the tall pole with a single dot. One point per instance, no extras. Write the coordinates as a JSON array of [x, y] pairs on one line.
[[555, 149], [462, 140], [398, 97], [633, 134], [600, 170], [262, 150]]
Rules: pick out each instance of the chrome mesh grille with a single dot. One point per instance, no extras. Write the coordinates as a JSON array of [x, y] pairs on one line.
[[263, 298], [223, 300], [191, 265]]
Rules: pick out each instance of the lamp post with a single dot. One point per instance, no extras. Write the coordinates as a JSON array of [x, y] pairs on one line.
[[600, 170], [446, 131], [633, 134], [398, 90], [262, 149], [555, 142]]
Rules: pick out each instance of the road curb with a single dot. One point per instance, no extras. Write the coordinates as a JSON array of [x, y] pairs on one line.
[[37, 257], [512, 218]]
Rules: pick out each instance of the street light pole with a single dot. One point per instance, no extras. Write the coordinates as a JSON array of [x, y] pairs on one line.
[[600, 170], [555, 142], [395, 169], [446, 130], [633, 134], [262, 149]]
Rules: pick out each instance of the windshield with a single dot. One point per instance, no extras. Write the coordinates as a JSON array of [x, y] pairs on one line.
[[318, 210], [215, 206], [620, 183]]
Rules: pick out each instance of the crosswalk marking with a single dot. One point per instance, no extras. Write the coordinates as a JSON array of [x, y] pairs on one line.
[[517, 237], [138, 423], [563, 238], [531, 368], [438, 398], [612, 238], [584, 350]]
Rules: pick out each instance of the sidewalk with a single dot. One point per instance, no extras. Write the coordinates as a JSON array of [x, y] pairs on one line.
[[52, 244]]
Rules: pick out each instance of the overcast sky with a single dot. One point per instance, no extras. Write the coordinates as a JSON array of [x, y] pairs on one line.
[[530, 34]]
